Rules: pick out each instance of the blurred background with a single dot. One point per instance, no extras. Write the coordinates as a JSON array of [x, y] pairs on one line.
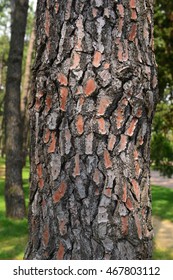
[[14, 230]]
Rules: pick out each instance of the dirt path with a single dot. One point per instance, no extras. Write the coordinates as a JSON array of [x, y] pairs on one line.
[[163, 234], [158, 180]]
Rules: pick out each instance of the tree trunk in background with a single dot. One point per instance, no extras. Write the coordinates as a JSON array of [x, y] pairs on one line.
[[94, 93], [25, 95], [14, 195]]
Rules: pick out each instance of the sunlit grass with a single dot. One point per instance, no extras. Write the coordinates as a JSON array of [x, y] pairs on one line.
[[162, 205], [159, 254], [13, 233]]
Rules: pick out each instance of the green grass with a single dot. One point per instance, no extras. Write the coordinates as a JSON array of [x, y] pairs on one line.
[[162, 205], [13, 233], [159, 254]]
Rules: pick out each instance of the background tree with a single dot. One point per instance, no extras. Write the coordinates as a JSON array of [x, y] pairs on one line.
[[14, 195], [93, 96], [162, 135]]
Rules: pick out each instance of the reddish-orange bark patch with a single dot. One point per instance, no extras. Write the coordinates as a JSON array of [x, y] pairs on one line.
[[41, 183], [97, 59], [37, 104], [46, 235], [77, 166], [102, 125], [120, 49], [108, 192], [39, 170], [139, 113], [133, 14], [129, 204], [104, 103], [138, 226], [123, 143], [133, 31], [107, 159], [60, 253], [135, 154], [124, 197], [62, 79], [60, 192], [46, 136], [141, 140], [136, 189], [132, 127], [52, 146], [48, 103], [124, 225], [111, 142], [63, 95], [120, 9], [90, 87], [80, 124], [132, 4], [106, 65]]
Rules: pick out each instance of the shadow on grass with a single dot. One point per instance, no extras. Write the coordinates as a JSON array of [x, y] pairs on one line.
[[162, 202]]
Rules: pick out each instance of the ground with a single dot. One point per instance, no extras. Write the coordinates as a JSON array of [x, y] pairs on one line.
[[163, 229]]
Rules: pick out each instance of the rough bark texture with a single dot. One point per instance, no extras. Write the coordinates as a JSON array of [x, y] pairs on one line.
[[94, 93], [14, 195]]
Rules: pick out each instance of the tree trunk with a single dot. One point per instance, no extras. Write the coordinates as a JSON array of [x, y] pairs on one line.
[[25, 96], [14, 195], [94, 93]]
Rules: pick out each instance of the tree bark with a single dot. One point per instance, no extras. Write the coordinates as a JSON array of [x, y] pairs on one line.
[[94, 94], [14, 195], [25, 96]]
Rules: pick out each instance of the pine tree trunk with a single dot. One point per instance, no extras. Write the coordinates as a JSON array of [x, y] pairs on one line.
[[94, 94], [14, 195], [25, 96]]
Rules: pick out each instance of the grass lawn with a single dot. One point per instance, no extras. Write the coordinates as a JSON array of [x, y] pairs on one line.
[[13, 233], [162, 205]]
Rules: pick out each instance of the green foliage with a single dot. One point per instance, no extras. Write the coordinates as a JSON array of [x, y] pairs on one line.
[[162, 139], [159, 254], [164, 46]]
